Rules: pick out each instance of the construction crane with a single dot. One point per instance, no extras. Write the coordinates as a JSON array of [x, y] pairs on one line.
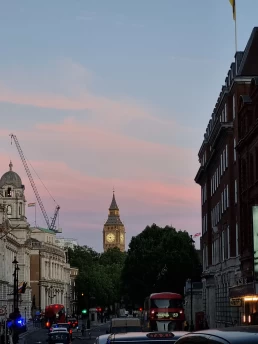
[[51, 226]]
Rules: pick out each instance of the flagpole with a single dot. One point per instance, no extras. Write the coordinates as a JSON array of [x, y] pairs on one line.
[[235, 27]]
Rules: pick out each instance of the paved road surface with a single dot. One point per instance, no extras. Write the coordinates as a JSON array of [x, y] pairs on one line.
[[35, 335]]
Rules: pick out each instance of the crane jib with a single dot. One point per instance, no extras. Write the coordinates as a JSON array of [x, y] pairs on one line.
[[51, 225]]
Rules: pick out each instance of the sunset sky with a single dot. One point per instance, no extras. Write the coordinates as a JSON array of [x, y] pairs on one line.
[[115, 93]]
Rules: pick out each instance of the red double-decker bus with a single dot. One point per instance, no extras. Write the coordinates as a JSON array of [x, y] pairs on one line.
[[164, 312], [54, 314]]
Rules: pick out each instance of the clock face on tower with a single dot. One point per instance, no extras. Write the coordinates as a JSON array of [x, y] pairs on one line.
[[121, 238], [110, 237]]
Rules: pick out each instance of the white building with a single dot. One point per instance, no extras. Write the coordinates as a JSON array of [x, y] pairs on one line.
[[66, 242], [14, 233], [50, 271]]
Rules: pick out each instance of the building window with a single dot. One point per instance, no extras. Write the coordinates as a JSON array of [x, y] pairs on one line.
[[223, 116], [226, 114], [8, 192], [223, 245], [223, 160], [237, 249], [221, 165], [9, 210], [226, 157], [227, 197], [234, 106], [228, 242], [20, 209], [222, 202]]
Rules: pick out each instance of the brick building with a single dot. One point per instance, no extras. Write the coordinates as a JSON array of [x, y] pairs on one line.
[[218, 177], [247, 151]]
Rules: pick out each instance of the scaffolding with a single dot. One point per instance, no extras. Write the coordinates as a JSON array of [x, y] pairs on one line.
[[226, 315]]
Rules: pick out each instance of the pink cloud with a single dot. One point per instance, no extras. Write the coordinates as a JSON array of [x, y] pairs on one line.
[[81, 160]]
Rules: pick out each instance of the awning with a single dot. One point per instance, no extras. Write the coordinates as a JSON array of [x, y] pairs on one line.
[[242, 290]]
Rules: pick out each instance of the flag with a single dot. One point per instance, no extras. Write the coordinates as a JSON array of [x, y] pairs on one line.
[[22, 288], [196, 235], [233, 4], [31, 204]]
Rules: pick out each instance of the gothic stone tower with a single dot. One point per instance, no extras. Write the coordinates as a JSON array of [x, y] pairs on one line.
[[114, 230]]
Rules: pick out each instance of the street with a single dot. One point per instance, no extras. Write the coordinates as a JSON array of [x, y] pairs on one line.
[[40, 335]]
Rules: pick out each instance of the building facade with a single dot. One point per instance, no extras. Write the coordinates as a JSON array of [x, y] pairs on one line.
[[66, 243], [114, 229], [219, 176], [246, 291], [50, 270], [73, 306], [14, 233]]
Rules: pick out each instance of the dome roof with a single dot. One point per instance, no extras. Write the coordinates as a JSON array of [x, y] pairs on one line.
[[11, 178]]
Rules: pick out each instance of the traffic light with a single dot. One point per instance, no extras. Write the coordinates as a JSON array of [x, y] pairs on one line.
[[140, 309], [84, 311]]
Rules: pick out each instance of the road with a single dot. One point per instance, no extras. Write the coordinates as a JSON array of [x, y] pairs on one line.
[[34, 336]]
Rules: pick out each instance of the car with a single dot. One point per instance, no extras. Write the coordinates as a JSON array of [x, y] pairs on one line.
[[73, 322], [59, 329], [145, 337], [66, 326], [59, 337], [121, 325], [225, 335]]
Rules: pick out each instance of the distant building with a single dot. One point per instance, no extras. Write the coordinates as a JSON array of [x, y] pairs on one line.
[[114, 229], [66, 242], [14, 233], [50, 271], [226, 241]]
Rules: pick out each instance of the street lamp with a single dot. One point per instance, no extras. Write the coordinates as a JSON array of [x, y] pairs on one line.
[[191, 324], [15, 285]]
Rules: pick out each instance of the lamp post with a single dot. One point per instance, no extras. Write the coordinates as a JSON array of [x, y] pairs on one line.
[[66, 304], [15, 286], [25, 317], [191, 305]]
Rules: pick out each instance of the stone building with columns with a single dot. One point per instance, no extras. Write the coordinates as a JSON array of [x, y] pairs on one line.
[[14, 233], [50, 270]]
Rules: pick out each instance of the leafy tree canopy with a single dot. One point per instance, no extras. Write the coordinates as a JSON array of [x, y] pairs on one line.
[[159, 259], [99, 278]]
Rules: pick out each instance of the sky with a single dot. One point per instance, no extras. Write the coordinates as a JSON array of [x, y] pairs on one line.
[[114, 94]]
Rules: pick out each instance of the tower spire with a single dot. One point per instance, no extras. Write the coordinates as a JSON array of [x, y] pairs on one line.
[[11, 165], [113, 205]]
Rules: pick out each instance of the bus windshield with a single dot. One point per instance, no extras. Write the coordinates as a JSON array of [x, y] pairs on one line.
[[166, 303]]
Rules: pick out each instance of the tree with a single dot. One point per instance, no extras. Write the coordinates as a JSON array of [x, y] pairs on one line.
[[112, 256], [158, 259], [99, 280]]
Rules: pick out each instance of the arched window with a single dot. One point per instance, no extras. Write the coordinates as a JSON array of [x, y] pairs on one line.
[[8, 192], [9, 210]]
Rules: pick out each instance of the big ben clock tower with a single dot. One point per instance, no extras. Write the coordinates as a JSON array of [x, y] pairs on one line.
[[114, 230]]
